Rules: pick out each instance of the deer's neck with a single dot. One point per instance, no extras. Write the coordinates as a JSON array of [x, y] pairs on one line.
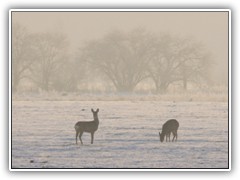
[[95, 118], [164, 133]]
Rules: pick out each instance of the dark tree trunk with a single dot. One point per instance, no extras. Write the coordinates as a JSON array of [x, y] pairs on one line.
[[161, 87]]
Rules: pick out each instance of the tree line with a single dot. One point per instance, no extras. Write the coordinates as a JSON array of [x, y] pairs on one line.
[[122, 59]]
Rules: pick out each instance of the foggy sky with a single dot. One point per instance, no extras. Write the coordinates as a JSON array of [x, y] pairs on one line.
[[210, 28]]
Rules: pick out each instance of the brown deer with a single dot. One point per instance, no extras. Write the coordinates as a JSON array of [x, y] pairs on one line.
[[171, 126], [87, 126]]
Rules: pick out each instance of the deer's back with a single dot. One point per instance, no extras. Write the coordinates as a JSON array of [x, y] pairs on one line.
[[86, 126], [170, 125]]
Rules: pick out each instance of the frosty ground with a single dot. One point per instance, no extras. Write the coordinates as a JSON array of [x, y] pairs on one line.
[[43, 135]]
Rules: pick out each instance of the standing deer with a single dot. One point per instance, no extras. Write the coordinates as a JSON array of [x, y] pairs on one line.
[[171, 126], [87, 126]]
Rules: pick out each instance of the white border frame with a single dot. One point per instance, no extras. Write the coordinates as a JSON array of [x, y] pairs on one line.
[[121, 10]]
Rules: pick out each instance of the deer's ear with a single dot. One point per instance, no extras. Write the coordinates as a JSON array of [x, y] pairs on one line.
[[97, 110], [92, 110]]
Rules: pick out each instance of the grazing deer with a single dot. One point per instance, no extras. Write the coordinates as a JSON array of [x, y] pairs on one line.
[[171, 126], [87, 126]]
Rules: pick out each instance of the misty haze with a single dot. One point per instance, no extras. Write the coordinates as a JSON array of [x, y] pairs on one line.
[[121, 76]]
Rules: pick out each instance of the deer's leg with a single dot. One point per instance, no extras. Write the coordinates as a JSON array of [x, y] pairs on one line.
[[168, 137], [92, 137], [80, 137], [76, 136], [174, 135]]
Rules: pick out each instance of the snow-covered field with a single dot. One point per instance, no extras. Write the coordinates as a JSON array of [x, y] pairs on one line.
[[43, 135]]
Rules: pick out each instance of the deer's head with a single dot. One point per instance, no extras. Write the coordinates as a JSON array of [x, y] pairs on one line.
[[95, 113], [161, 136]]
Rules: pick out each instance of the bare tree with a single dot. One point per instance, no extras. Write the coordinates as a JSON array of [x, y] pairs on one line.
[[195, 65], [69, 74], [121, 57], [50, 51], [21, 54], [175, 59]]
